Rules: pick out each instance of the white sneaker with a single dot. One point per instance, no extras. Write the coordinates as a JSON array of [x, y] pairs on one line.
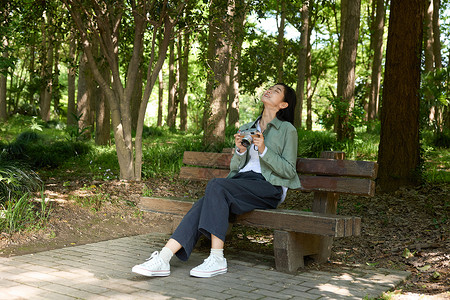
[[210, 267], [154, 266]]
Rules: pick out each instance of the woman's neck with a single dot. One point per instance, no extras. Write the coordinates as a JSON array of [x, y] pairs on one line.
[[267, 116]]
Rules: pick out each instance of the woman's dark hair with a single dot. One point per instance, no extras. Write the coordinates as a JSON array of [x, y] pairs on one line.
[[288, 113]]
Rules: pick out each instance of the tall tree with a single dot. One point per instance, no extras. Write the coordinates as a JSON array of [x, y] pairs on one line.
[[377, 49], [301, 63], [172, 89], [71, 75], [160, 98], [3, 79], [218, 82], [100, 21], [280, 39], [239, 14], [348, 42], [398, 154], [184, 45], [47, 65]]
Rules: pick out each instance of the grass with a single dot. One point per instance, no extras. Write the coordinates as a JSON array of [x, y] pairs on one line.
[[22, 213]]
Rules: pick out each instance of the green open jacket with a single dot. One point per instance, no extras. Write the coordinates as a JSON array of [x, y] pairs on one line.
[[278, 165]]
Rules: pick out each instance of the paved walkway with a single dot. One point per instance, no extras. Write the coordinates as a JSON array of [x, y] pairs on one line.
[[103, 271]]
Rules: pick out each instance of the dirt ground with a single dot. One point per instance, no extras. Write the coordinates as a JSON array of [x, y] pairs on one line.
[[406, 230]]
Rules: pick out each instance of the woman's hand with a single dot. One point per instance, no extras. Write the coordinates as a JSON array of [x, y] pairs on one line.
[[237, 141], [258, 141]]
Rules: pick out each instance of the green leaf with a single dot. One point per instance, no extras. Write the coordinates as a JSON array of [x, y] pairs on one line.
[[424, 268]]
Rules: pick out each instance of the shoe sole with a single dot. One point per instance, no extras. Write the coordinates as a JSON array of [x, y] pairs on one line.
[[150, 273], [202, 274]]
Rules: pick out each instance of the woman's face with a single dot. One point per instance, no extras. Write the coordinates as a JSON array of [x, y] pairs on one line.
[[273, 97]]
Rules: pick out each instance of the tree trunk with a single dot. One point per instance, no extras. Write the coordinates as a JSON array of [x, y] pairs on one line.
[[398, 154], [377, 48], [172, 108], [429, 38], [437, 35], [84, 111], [102, 112], [280, 41], [3, 79], [309, 90], [47, 89], [239, 15], [184, 71], [301, 65], [350, 17], [160, 98], [214, 133], [71, 108], [136, 98], [56, 94]]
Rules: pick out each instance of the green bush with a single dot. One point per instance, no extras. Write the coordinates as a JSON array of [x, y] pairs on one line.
[[165, 159], [39, 151], [312, 143]]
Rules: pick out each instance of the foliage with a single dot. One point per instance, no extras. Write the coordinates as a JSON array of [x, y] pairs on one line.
[[338, 107], [16, 180], [435, 94], [40, 151], [163, 155], [21, 213]]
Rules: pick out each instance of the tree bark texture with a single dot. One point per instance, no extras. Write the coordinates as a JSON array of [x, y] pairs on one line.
[[172, 105], [301, 65], [3, 80], [214, 133], [183, 82], [239, 16], [47, 69], [71, 108], [398, 154], [160, 98], [377, 48], [280, 41], [350, 19]]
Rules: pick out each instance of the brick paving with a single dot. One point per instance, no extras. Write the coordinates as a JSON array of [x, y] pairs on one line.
[[103, 271]]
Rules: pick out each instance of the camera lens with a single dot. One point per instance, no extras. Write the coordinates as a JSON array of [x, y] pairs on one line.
[[246, 140]]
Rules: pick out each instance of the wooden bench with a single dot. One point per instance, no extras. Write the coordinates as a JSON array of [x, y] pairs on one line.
[[296, 233]]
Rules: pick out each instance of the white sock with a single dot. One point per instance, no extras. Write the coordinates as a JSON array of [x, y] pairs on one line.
[[217, 252], [166, 254]]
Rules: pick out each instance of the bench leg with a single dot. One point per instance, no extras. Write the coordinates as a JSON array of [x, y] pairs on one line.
[[290, 248]]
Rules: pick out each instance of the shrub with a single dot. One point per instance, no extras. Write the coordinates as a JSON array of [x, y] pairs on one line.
[[312, 143], [38, 151]]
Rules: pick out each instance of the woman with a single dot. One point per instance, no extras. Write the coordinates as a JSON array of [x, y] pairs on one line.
[[259, 178]]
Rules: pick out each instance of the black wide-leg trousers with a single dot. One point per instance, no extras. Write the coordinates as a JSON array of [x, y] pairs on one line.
[[224, 196]]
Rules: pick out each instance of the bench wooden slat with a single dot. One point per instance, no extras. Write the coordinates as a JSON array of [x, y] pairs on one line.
[[318, 166], [344, 185], [352, 186], [196, 174], [289, 220], [302, 221], [337, 167], [207, 159]]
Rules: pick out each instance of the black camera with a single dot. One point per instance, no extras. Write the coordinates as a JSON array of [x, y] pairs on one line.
[[247, 135]]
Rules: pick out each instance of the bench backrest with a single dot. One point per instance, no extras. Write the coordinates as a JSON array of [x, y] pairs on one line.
[[316, 174]]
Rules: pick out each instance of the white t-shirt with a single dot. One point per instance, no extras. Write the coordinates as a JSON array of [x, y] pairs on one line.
[[254, 165]]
